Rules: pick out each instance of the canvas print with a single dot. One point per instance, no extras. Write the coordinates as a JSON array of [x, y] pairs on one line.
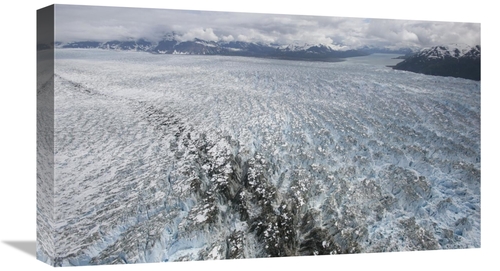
[[183, 135]]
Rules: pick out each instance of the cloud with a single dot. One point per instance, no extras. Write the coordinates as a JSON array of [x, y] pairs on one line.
[[200, 33], [77, 23], [227, 38]]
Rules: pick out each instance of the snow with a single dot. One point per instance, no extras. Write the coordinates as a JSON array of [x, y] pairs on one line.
[[200, 218], [304, 47], [456, 50], [214, 254], [148, 147]]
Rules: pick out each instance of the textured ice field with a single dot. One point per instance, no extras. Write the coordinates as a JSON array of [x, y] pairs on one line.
[[171, 158]]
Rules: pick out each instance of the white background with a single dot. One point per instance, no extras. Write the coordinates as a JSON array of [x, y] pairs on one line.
[[18, 132]]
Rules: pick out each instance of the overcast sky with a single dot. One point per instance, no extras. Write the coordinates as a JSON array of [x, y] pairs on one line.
[[81, 23]]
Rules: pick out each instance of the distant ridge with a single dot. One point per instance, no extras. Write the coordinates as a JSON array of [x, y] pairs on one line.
[[170, 45], [455, 60]]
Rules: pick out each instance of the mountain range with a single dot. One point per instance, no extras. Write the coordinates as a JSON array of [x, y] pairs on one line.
[[455, 60], [169, 45]]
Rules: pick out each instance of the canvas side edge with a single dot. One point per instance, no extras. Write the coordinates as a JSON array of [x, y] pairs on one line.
[[45, 243]]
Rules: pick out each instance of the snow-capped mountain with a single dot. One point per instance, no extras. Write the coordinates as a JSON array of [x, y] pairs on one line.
[[81, 44], [172, 43], [311, 47], [135, 45], [316, 51], [450, 51], [456, 60], [389, 50]]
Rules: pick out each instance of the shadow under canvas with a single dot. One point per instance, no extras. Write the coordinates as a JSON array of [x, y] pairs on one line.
[[28, 247]]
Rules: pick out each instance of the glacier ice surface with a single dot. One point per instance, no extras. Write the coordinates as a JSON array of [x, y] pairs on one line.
[[176, 158]]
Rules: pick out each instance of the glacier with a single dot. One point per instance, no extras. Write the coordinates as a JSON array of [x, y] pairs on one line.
[[177, 158]]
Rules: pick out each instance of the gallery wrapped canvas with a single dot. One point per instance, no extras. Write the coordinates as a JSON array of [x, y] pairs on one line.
[[180, 135]]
